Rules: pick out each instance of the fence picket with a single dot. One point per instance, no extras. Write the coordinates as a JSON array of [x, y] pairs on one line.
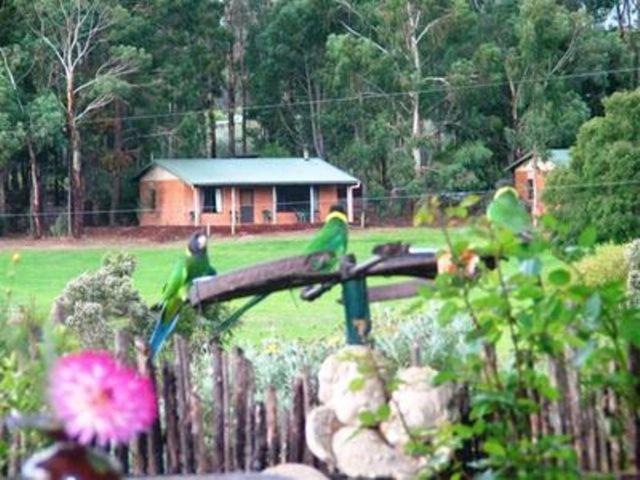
[[124, 342], [172, 436], [218, 410], [154, 437], [273, 436], [183, 387], [240, 383], [247, 434], [296, 424]]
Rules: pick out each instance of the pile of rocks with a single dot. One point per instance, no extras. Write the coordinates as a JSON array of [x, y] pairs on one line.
[[355, 380]]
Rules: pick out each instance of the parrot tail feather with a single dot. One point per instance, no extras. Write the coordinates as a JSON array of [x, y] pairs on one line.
[[232, 320], [160, 334]]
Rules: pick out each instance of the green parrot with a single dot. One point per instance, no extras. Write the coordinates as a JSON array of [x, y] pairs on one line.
[[506, 211], [332, 237], [194, 264]]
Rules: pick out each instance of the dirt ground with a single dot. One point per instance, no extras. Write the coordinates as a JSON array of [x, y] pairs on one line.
[[140, 236], [130, 236]]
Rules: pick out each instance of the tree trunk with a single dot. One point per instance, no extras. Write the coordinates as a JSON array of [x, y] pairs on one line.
[[76, 199], [119, 151], [115, 200], [3, 200], [213, 141], [414, 97], [77, 190], [313, 94], [243, 81], [231, 81], [36, 196], [244, 117]]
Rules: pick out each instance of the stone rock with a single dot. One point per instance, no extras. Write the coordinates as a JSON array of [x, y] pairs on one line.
[[321, 424], [363, 453], [336, 377], [422, 405], [295, 471]]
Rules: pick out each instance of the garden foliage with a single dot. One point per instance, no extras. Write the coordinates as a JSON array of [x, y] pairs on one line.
[[532, 309], [600, 186], [606, 264], [96, 304], [28, 343]]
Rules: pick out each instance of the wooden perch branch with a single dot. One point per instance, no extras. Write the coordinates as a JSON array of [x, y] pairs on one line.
[[294, 272]]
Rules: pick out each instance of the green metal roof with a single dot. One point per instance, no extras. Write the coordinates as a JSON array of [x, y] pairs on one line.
[[254, 171], [561, 157]]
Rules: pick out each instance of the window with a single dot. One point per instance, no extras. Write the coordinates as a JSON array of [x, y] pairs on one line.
[[293, 198], [211, 200], [149, 199], [530, 189]]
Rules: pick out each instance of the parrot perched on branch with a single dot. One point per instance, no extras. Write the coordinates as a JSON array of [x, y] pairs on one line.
[[332, 237], [194, 264], [506, 211]]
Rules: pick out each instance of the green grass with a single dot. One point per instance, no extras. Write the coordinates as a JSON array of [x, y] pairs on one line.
[[41, 275]]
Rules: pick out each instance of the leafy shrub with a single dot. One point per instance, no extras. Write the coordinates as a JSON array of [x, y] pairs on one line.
[[606, 265], [95, 304], [395, 336], [526, 318], [600, 185], [632, 256], [27, 345], [277, 362]]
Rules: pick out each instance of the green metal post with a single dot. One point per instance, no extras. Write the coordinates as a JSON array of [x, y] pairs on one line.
[[356, 309]]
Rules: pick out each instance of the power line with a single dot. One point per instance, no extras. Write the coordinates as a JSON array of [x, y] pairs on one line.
[[369, 96], [374, 95], [358, 201]]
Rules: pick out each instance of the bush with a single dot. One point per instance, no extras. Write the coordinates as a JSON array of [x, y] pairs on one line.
[[96, 304], [600, 185], [277, 362], [28, 344], [632, 256], [395, 336], [606, 265]]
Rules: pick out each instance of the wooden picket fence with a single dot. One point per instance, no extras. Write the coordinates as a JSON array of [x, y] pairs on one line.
[[242, 433]]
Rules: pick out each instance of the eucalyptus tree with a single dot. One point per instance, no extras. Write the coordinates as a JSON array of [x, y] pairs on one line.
[[412, 34], [90, 69], [36, 118], [286, 58]]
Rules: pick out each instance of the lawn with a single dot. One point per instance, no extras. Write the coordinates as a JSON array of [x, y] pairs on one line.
[[42, 273]]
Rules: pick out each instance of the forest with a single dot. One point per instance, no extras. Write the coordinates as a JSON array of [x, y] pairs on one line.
[[409, 95]]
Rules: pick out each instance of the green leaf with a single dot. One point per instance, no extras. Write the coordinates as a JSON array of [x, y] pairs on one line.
[[630, 330], [560, 277], [463, 431], [470, 200], [444, 376], [383, 412], [356, 384], [592, 309], [367, 418], [447, 312], [493, 447], [457, 212], [588, 237]]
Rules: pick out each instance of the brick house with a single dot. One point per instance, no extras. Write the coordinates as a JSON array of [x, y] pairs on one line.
[[530, 173], [227, 192]]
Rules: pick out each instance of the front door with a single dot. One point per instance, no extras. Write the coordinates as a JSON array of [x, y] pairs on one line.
[[246, 205]]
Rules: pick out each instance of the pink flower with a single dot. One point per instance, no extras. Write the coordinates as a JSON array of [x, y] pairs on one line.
[[95, 396]]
